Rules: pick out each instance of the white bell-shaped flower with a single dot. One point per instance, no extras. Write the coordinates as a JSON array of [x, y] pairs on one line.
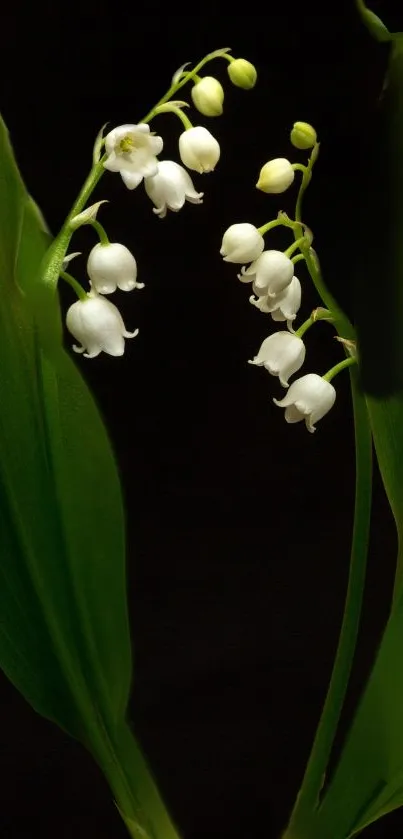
[[132, 151], [282, 306], [112, 266], [276, 176], [170, 188], [241, 243], [98, 325], [282, 354], [198, 149], [208, 96], [308, 398], [270, 273]]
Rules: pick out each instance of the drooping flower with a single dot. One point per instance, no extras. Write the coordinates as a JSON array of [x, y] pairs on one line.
[[132, 151], [276, 176], [170, 188], [242, 73], [198, 149], [241, 243], [208, 96], [308, 398], [282, 354], [112, 266], [98, 325], [282, 306], [270, 273]]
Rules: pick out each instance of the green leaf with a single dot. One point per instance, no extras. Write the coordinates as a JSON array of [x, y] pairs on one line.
[[368, 780], [373, 23], [64, 630], [373, 754], [62, 502]]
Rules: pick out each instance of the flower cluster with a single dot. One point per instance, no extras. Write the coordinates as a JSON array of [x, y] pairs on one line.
[[133, 151], [277, 290]]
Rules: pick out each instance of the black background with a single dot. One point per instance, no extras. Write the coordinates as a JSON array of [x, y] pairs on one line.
[[238, 525]]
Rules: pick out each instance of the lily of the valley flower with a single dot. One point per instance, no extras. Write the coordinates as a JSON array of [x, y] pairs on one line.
[[198, 149], [98, 325], [309, 398], [241, 243], [110, 266], [276, 176], [170, 188], [270, 273], [282, 306], [132, 151], [208, 96], [282, 354]]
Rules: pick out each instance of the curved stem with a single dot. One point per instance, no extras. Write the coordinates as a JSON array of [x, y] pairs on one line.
[[347, 362], [308, 797], [102, 234], [55, 254], [302, 816], [185, 77], [81, 294]]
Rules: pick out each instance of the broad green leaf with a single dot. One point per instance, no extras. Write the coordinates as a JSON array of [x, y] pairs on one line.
[[62, 501], [368, 781], [64, 631]]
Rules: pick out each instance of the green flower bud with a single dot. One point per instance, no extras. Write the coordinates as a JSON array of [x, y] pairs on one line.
[[208, 96], [242, 73], [303, 135]]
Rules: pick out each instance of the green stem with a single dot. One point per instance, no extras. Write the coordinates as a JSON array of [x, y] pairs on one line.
[[347, 362], [308, 797], [81, 294], [103, 236], [297, 244], [301, 821], [182, 81], [53, 262], [271, 224], [136, 796], [323, 314], [169, 107], [300, 167]]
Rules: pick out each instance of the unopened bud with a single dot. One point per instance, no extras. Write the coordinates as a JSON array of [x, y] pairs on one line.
[[303, 135], [208, 96], [242, 73]]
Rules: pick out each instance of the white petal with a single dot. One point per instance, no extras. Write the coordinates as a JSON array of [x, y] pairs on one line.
[[111, 265], [170, 187], [198, 149], [112, 163], [98, 325], [131, 179], [292, 414], [309, 397]]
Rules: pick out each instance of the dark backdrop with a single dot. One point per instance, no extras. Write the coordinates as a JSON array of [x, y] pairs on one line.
[[238, 525]]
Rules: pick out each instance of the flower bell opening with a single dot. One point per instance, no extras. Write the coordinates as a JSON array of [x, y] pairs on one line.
[[308, 398], [170, 188], [98, 325]]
